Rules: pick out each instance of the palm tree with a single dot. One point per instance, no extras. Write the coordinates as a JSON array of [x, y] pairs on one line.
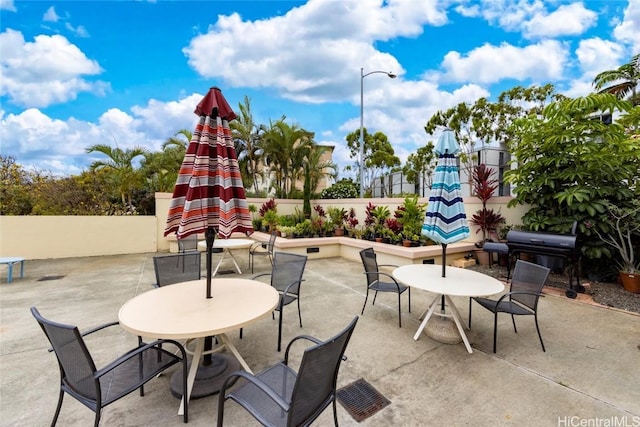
[[284, 148], [625, 81], [314, 169], [246, 135], [120, 163]]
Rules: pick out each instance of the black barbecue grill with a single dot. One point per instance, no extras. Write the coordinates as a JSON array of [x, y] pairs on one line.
[[565, 246]]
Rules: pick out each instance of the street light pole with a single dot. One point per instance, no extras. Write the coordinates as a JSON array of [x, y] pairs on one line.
[[362, 76]]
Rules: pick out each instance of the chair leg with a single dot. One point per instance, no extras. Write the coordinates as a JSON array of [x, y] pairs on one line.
[[365, 301], [335, 411], [513, 320], [495, 330], [55, 416], [299, 313], [280, 328], [470, 299], [399, 312], [221, 401], [409, 290], [374, 298], [96, 423], [535, 316]]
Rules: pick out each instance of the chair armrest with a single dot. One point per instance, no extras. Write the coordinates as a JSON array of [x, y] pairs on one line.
[[380, 273], [388, 265], [136, 351], [508, 294], [297, 338], [98, 328], [306, 337], [260, 275], [257, 245], [286, 290], [264, 387]]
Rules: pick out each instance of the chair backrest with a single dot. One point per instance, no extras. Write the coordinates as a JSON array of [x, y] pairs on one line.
[[76, 364], [189, 243], [368, 257], [317, 376], [177, 268], [287, 269], [528, 277], [271, 243]]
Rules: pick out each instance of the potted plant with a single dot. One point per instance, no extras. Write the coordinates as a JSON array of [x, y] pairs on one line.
[[352, 222], [487, 220], [380, 215], [624, 228], [338, 217], [269, 214], [411, 216]]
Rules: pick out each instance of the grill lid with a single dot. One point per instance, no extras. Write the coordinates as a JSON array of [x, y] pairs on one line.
[[517, 238]]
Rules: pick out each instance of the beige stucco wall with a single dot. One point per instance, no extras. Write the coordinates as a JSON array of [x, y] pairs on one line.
[[41, 237]]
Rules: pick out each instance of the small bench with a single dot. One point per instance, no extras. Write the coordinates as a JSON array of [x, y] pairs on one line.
[[10, 261], [495, 247]]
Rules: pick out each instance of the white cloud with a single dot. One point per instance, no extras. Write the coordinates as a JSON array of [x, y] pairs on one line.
[[40, 142], [596, 55], [337, 37], [487, 64], [46, 71], [629, 29], [572, 19], [7, 5], [50, 15], [533, 18]]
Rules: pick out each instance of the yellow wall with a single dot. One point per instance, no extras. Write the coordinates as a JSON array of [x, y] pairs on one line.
[[41, 237]]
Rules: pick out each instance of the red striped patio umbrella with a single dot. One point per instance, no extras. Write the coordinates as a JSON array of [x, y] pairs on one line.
[[209, 195]]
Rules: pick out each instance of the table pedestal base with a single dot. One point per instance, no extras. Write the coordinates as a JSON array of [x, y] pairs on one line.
[[209, 379], [443, 329]]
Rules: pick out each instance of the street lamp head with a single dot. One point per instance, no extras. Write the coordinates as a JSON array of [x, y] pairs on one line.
[[391, 75]]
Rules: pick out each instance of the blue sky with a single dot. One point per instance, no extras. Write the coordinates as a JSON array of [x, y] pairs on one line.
[[130, 73]]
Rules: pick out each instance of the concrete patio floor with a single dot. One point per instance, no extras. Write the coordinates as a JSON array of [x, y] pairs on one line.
[[589, 373]]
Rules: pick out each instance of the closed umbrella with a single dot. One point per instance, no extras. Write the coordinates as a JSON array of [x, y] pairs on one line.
[[209, 196], [445, 220]]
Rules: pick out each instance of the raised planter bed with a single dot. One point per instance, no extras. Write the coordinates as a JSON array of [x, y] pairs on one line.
[[349, 248]]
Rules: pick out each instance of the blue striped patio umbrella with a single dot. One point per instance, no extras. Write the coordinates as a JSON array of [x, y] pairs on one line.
[[445, 220]]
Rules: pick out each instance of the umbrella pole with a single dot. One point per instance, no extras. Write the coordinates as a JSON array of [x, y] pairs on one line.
[[210, 237], [208, 341], [444, 270]]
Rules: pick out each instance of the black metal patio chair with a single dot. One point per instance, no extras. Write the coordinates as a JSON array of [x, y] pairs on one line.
[[521, 300], [280, 396], [381, 282], [177, 268], [262, 249], [96, 388], [286, 277]]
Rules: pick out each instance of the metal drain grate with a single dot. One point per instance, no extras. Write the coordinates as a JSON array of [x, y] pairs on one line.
[[45, 278], [361, 400]]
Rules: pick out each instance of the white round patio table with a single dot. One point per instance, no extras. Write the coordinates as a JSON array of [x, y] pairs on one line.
[[457, 282], [182, 311], [227, 245]]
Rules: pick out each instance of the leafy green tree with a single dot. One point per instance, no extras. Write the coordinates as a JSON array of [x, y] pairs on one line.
[[622, 82], [15, 186], [485, 122], [343, 189], [314, 169], [84, 194], [122, 172], [379, 156], [420, 166], [571, 165]]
